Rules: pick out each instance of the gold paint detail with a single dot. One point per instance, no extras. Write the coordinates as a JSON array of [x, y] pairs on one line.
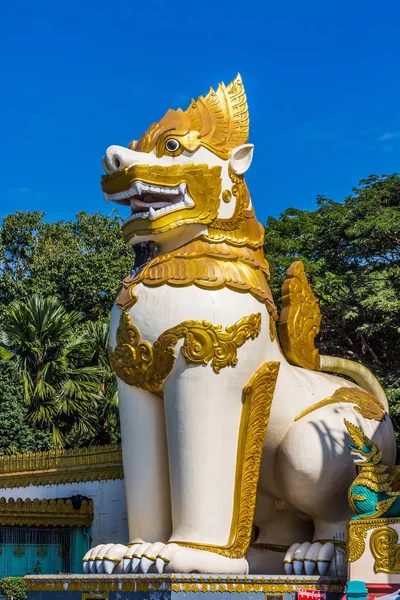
[[218, 121], [203, 186], [357, 532], [378, 479], [385, 550], [207, 266], [373, 475], [45, 513], [226, 196], [365, 403], [241, 193], [140, 364], [269, 547], [300, 319], [175, 583], [61, 466], [257, 400], [272, 327]]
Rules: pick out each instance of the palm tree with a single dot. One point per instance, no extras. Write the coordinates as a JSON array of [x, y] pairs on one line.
[[62, 388], [96, 336]]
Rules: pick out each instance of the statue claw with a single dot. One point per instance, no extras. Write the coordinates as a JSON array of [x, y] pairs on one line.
[[308, 557]]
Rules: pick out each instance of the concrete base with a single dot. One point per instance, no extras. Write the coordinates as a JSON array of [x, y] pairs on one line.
[[176, 587]]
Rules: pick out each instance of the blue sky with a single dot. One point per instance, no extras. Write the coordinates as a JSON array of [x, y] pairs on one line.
[[322, 81]]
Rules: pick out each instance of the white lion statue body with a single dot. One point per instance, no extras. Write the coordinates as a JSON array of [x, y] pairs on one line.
[[222, 436]]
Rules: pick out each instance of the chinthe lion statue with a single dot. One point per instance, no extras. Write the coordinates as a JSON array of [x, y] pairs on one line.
[[234, 444]]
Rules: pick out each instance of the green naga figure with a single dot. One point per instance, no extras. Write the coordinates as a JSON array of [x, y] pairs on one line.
[[375, 492]]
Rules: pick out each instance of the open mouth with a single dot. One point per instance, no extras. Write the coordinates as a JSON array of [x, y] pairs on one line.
[[149, 201], [357, 456]]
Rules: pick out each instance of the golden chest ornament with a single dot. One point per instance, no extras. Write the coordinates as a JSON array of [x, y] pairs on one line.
[[146, 366]]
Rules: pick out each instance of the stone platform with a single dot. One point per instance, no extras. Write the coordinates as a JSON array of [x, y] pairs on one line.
[[177, 587]]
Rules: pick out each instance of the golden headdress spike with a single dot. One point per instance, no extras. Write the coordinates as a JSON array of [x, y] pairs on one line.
[[218, 121], [221, 118], [357, 434]]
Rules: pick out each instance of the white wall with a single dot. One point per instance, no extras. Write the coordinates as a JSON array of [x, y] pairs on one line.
[[110, 522]]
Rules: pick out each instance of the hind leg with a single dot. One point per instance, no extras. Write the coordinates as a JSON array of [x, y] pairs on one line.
[[316, 470], [279, 526]]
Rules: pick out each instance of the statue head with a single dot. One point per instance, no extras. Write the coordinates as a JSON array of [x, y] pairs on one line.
[[364, 451], [185, 174]]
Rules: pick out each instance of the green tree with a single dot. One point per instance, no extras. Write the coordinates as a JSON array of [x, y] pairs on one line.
[[81, 262], [13, 587], [107, 428], [16, 434], [62, 390], [351, 252]]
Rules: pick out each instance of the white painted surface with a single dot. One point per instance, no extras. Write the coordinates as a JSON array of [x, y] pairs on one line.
[[110, 522]]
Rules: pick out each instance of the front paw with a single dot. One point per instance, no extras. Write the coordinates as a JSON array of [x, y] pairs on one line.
[[172, 558], [104, 558]]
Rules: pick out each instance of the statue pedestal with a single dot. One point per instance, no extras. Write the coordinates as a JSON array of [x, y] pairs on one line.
[[373, 551], [178, 587]]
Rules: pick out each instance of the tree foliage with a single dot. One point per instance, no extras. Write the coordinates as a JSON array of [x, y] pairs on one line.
[[16, 433], [13, 587], [62, 390], [351, 252], [81, 262], [62, 354]]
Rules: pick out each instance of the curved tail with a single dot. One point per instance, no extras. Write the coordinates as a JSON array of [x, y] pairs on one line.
[[357, 372]]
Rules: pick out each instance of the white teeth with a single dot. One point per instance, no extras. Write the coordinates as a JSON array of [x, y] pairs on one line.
[[106, 197], [182, 188], [187, 200], [137, 188], [152, 212]]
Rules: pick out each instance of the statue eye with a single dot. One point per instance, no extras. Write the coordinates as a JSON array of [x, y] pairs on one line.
[[172, 145]]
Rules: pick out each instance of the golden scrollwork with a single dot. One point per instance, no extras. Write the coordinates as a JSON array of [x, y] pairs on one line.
[[365, 403], [178, 583], [45, 513], [300, 319], [241, 193], [385, 550], [218, 121], [61, 466], [357, 532], [272, 328], [207, 266], [257, 400], [140, 364], [247, 231]]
